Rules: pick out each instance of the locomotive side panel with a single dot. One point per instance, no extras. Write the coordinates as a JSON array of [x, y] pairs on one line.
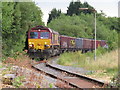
[[55, 38]]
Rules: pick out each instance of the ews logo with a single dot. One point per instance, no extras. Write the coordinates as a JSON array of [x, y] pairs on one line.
[[72, 42]]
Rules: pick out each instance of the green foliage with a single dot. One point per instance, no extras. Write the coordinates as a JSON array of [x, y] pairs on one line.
[[1, 66], [18, 81], [17, 19], [70, 57], [104, 65], [53, 14], [50, 85], [101, 51], [74, 8], [110, 22], [7, 20], [0, 22], [37, 85], [116, 81]]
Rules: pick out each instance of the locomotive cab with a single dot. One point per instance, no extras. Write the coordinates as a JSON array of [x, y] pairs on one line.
[[42, 40]]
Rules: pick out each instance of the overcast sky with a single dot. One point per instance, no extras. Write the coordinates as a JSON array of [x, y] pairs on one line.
[[109, 7]]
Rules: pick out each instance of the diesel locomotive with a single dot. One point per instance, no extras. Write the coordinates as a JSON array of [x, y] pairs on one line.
[[44, 42]]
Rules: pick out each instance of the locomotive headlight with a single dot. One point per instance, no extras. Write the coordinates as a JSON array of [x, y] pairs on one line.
[[45, 43], [31, 45], [30, 42]]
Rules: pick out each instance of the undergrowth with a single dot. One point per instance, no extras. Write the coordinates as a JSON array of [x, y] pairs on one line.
[[106, 63]]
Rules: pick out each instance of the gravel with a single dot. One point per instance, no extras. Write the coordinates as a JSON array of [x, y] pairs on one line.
[[33, 77], [50, 80]]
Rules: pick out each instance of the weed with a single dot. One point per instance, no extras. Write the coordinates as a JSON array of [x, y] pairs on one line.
[[37, 85], [37, 59], [18, 81], [116, 81], [89, 73], [50, 85], [1, 66], [7, 70], [3, 58]]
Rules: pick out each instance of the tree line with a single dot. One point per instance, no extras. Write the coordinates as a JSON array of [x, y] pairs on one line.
[[17, 19], [73, 9]]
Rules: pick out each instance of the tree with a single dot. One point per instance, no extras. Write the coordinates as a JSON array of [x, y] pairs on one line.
[[53, 14], [7, 20], [74, 8], [90, 10]]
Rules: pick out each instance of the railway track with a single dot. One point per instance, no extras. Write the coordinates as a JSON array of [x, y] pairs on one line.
[[75, 80]]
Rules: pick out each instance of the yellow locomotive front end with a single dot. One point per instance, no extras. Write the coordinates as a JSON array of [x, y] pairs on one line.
[[42, 41], [39, 44], [39, 40]]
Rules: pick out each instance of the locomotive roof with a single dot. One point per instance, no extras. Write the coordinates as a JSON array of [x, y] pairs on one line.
[[53, 31], [40, 27]]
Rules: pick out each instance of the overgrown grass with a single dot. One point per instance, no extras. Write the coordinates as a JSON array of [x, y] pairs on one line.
[[15, 55], [106, 62]]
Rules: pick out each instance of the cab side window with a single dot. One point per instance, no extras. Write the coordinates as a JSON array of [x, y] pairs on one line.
[[33, 35], [44, 35]]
